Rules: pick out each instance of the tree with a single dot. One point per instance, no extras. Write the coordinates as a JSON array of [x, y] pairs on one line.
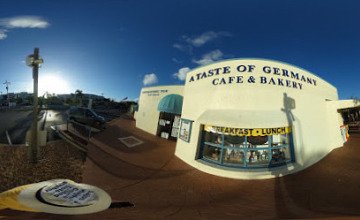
[[79, 95], [355, 99], [19, 100], [29, 100], [41, 101]]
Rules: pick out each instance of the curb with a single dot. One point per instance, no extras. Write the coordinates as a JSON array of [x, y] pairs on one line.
[[70, 140], [14, 145]]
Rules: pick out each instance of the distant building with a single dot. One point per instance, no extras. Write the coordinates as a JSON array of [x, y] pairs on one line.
[[11, 95], [93, 96], [64, 96], [85, 95], [23, 95]]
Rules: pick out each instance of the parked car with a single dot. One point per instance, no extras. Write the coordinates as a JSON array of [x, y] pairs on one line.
[[86, 116]]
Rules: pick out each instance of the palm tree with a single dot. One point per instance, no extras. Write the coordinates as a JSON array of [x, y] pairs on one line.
[[79, 96]]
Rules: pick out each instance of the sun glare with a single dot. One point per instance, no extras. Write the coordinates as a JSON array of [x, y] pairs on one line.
[[53, 84]]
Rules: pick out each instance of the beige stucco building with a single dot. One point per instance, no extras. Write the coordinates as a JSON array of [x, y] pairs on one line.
[[247, 118]]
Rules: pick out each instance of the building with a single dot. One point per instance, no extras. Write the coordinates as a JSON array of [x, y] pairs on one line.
[[23, 95], [247, 118], [156, 122]]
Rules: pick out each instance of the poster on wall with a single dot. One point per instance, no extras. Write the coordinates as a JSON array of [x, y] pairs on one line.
[[176, 123], [185, 130], [344, 133], [162, 122], [175, 128]]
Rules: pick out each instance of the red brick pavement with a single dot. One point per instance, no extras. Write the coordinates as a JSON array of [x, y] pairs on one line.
[[162, 186]]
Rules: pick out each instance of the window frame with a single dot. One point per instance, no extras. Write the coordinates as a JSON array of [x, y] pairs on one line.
[[245, 164]]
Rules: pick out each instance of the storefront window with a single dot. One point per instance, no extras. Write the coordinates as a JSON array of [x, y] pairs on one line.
[[212, 138], [257, 157], [246, 148], [234, 156], [280, 139], [212, 152], [234, 141]]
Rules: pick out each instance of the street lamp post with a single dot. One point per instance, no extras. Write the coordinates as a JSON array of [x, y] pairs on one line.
[[34, 61], [7, 91]]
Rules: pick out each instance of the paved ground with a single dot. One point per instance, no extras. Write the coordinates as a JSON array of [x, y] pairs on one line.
[[162, 186], [17, 122], [51, 118]]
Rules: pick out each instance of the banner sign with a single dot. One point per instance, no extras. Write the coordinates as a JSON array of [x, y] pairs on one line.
[[155, 92], [247, 131], [258, 74]]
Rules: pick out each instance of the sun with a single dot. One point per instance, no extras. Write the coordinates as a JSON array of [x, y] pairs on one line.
[[52, 84]]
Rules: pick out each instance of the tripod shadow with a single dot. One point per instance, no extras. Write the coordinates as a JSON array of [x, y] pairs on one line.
[[284, 204]]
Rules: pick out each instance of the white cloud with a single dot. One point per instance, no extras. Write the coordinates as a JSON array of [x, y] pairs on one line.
[[179, 46], [24, 22], [149, 79], [181, 74], [176, 60], [21, 22], [183, 47], [202, 39], [209, 57], [3, 34]]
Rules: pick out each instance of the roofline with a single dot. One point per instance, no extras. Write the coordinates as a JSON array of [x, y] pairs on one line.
[[160, 86]]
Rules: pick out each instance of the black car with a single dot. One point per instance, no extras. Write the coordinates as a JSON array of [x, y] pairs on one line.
[[86, 116]]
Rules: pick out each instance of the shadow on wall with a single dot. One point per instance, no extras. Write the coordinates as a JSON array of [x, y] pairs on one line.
[[289, 105], [283, 201], [325, 189], [297, 130]]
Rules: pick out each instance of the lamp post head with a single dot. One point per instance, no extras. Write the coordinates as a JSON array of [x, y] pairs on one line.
[[31, 61]]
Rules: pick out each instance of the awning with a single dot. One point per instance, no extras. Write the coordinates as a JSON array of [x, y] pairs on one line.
[[171, 103], [245, 119]]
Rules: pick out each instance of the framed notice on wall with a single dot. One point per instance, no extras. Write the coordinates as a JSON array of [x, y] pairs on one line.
[[185, 129]]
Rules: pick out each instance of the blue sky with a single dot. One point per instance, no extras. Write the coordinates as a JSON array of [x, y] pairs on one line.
[[115, 47]]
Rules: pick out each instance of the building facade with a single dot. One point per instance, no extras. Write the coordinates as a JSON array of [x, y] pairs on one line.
[[250, 118]]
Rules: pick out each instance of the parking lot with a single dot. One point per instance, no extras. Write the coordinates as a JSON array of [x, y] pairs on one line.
[[16, 122]]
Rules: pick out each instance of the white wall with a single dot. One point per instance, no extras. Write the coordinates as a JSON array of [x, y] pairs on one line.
[[147, 116], [315, 129]]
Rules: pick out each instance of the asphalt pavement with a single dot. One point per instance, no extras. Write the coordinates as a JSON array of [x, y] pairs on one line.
[[52, 118], [15, 123]]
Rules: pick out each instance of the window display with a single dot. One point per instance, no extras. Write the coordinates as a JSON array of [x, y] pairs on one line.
[[246, 148]]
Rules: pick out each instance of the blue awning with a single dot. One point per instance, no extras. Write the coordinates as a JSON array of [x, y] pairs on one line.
[[171, 104]]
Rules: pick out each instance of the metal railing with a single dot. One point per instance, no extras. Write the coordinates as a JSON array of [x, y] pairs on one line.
[[80, 129]]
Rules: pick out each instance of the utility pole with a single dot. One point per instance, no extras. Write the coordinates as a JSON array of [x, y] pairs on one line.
[[34, 61], [7, 91]]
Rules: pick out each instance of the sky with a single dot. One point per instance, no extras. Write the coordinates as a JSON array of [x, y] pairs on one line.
[[116, 47]]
